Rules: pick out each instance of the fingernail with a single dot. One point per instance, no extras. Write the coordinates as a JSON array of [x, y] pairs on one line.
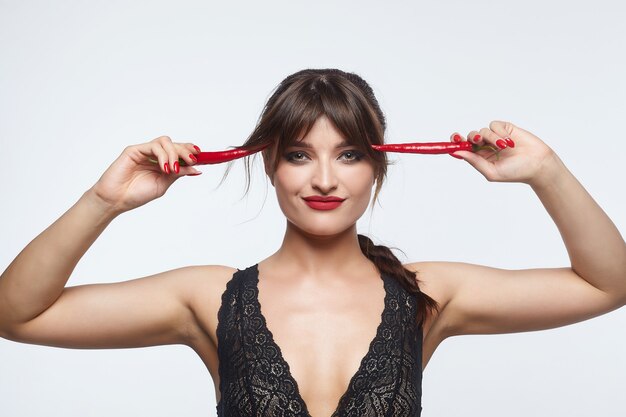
[[167, 167], [192, 157], [501, 143], [456, 138], [176, 167], [477, 138], [510, 142], [455, 156], [197, 149], [194, 174]]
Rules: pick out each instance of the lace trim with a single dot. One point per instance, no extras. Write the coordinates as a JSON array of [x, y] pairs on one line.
[[258, 380], [288, 377]]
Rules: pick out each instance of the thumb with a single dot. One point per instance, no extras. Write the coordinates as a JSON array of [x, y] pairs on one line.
[[481, 164], [190, 172]]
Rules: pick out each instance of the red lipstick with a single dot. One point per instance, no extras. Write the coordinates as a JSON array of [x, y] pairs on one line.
[[323, 203]]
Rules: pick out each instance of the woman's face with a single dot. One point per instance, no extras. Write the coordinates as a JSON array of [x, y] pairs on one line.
[[320, 164]]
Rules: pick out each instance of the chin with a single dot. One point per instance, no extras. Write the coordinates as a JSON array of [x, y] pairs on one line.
[[321, 229]]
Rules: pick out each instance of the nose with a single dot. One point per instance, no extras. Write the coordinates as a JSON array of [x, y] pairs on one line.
[[324, 177]]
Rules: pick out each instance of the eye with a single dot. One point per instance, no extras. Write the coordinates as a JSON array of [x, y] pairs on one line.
[[353, 155], [295, 156], [349, 156]]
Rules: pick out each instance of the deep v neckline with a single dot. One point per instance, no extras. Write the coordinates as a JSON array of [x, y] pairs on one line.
[[360, 369]]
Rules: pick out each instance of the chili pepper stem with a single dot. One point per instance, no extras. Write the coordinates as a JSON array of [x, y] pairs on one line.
[[496, 151]]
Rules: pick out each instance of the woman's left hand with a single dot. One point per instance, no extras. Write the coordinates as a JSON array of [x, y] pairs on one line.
[[522, 160]]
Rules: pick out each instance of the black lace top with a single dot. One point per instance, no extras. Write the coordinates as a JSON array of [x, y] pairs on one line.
[[255, 379]]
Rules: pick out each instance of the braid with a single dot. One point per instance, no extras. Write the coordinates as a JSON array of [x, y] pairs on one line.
[[387, 263]]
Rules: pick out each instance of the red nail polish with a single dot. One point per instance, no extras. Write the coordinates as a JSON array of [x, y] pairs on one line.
[[176, 167], [455, 156], [192, 157], [167, 167], [501, 143], [510, 142], [197, 149], [456, 138], [477, 138]]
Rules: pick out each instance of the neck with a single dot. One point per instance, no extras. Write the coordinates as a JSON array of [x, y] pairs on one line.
[[318, 256]]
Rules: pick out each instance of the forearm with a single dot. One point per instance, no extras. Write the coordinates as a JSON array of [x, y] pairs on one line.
[[595, 247], [38, 275]]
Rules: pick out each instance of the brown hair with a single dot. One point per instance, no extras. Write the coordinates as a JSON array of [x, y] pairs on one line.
[[349, 102]]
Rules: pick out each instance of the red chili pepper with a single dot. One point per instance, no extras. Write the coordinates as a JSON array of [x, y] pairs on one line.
[[432, 147], [427, 147], [205, 158]]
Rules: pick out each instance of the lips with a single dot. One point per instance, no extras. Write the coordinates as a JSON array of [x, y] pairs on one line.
[[324, 199], [319, 202]]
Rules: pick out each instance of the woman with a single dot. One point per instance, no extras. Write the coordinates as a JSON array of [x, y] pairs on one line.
[[344, 328]]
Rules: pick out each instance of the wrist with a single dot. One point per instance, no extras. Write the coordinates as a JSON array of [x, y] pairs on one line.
[[101, 206], [549, 173]]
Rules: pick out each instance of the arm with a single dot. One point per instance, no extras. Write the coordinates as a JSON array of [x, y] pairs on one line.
[[595, 247], [482, 300], [24, 293], [35, 306]]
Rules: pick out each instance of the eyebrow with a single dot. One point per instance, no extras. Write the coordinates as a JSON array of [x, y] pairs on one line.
[[303, 144]]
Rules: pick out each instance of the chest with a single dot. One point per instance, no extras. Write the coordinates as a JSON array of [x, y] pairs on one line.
[[322, 338], [317, 358]]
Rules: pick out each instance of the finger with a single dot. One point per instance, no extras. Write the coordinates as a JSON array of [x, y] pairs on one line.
[[157, 150], [189, 171], [186, 154], [475, 137], [152, 150], [192, 148], [461, 154], [504, 130], [172, 153], [153, 153], [482, 165], [456, 137], [492, 138]]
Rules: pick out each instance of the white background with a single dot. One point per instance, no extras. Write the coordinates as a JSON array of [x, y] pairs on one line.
[[81, 80]]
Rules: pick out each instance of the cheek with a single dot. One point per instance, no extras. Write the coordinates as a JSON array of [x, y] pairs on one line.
[[362, 179], [288, 181]]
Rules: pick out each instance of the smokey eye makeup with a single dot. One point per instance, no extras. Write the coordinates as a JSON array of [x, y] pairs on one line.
[[350, 156]]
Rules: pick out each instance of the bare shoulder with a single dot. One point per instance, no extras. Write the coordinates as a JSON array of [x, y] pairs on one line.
[[434, 280], [204, 287], [442, 280], [206, 279]]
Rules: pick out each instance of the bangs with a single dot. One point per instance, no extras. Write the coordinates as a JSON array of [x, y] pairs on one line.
[[300, 100], [304, 103]]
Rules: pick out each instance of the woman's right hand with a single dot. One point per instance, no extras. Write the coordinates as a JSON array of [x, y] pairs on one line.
[[132, 180]]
